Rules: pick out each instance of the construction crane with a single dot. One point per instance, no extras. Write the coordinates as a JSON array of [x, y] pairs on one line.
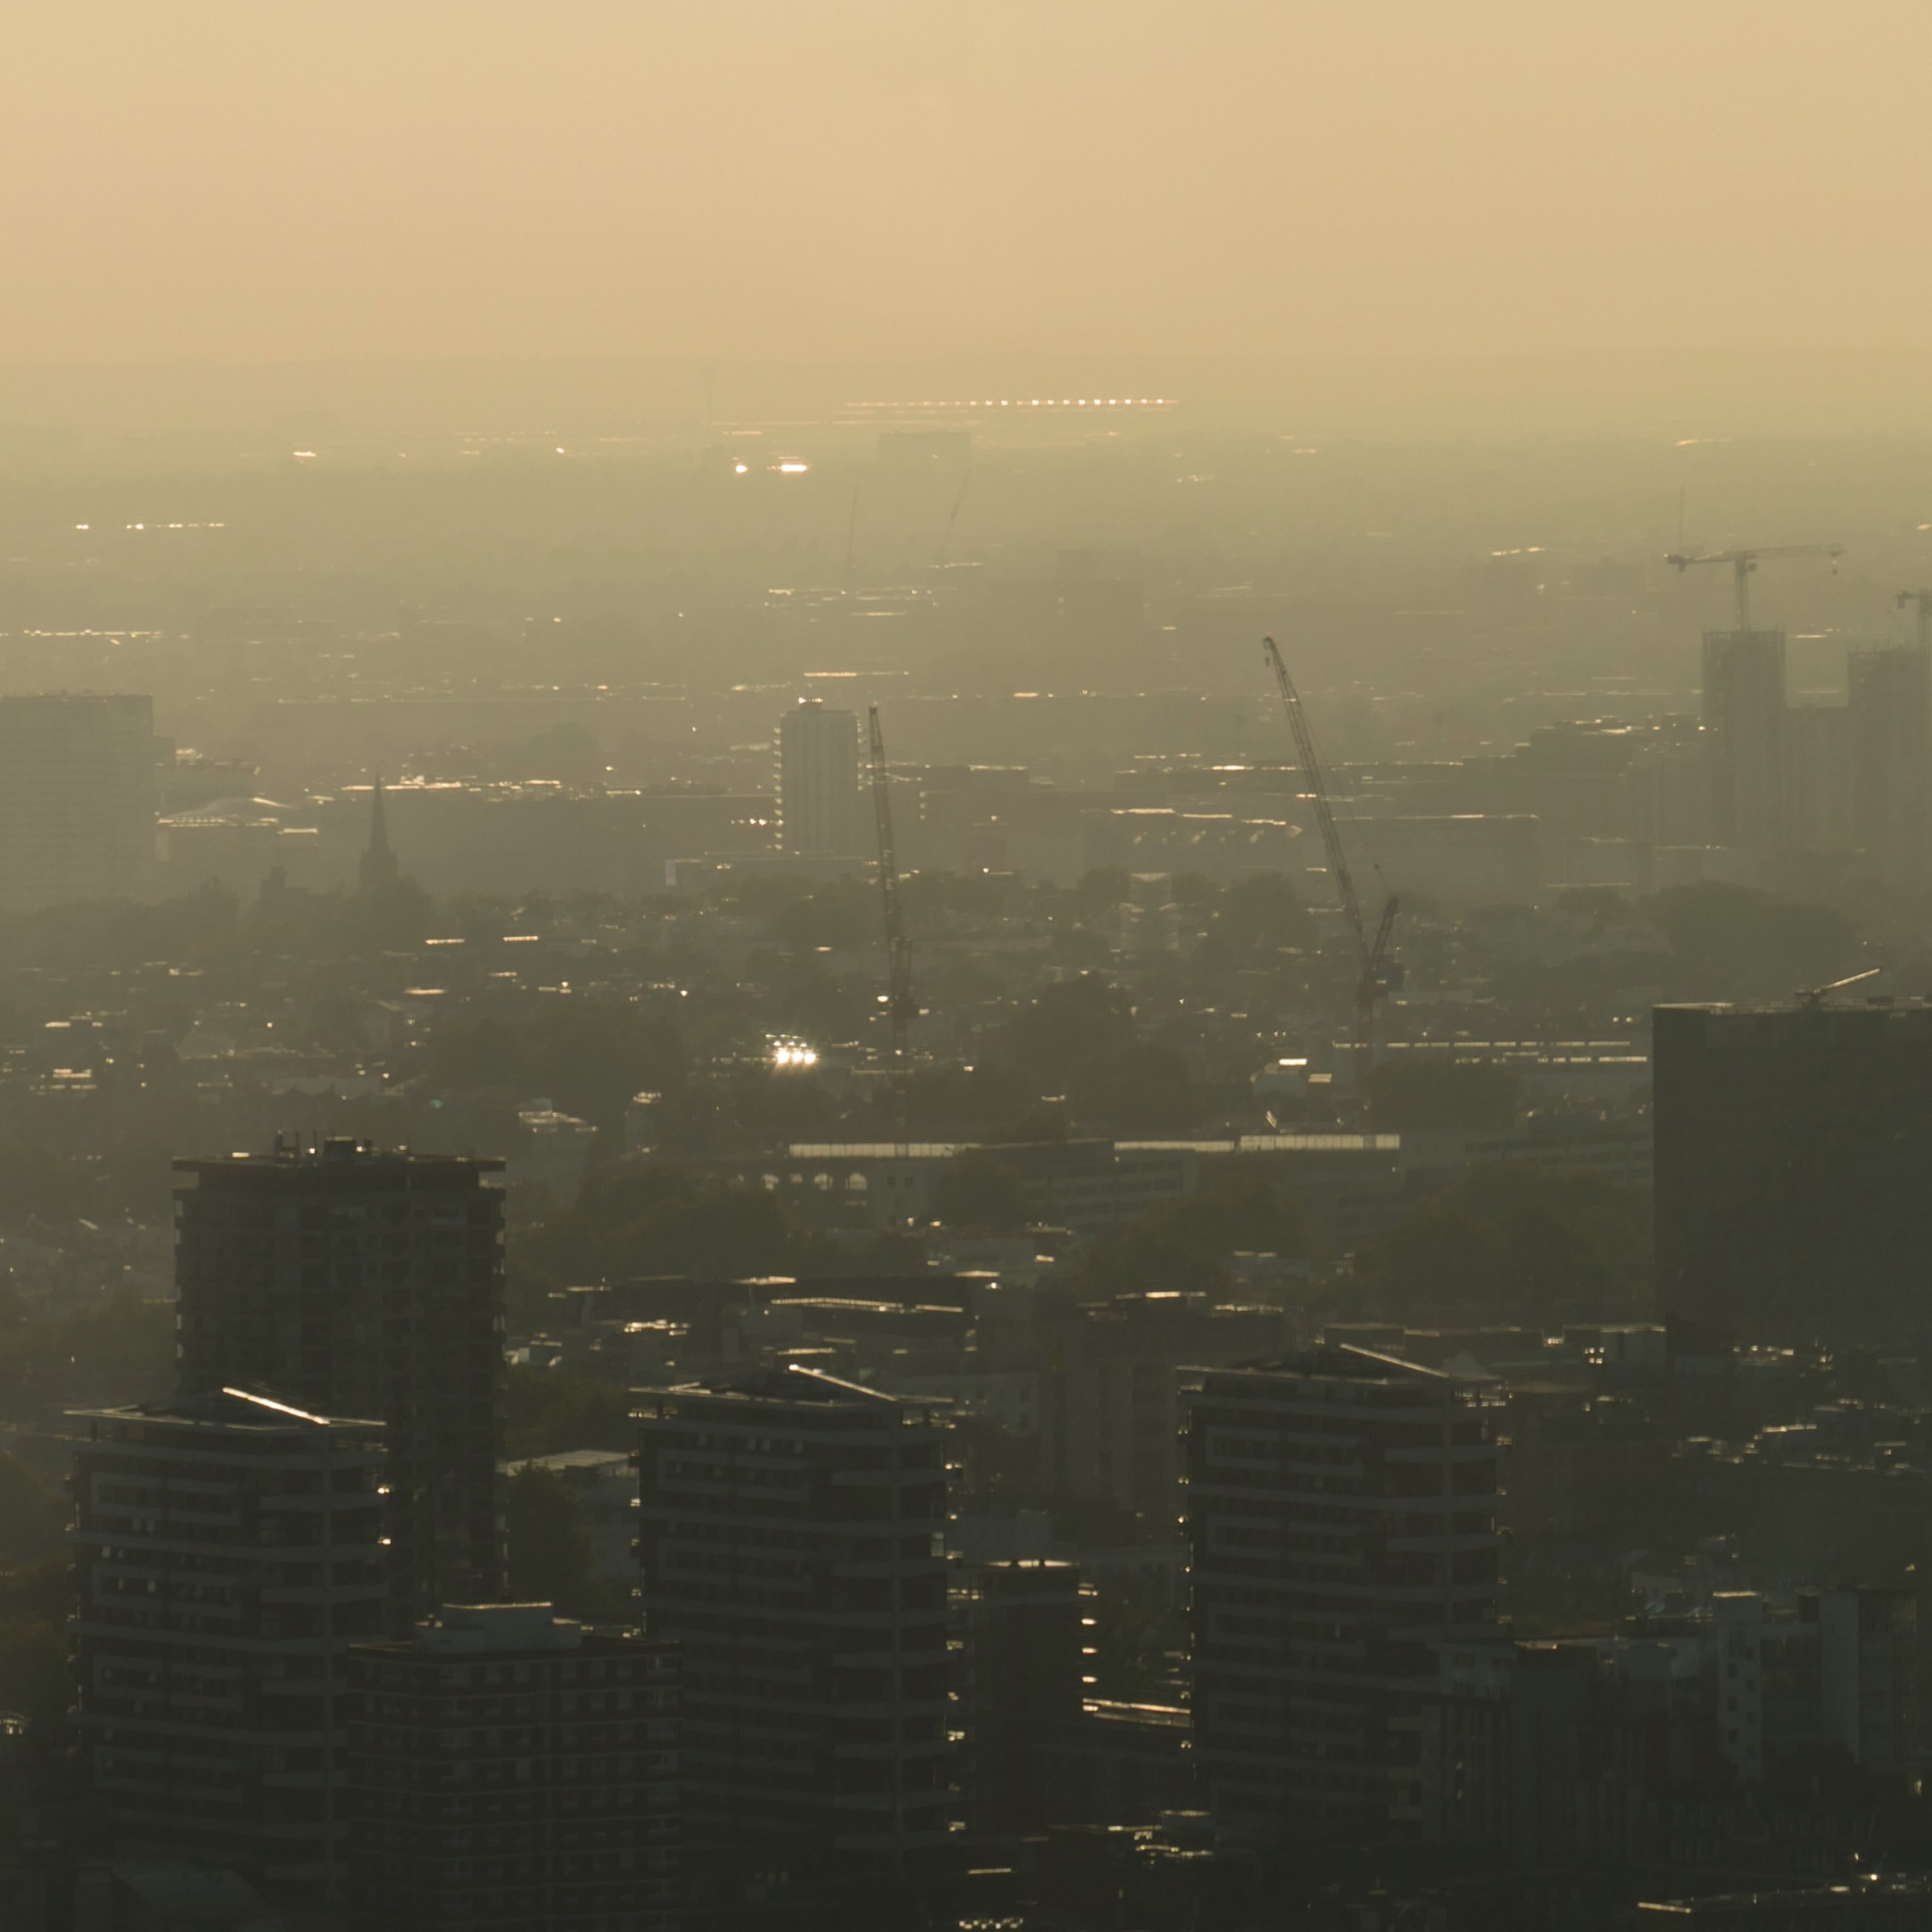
[[1923, 599], [1744, 562], [898, 948], [1371, 952]]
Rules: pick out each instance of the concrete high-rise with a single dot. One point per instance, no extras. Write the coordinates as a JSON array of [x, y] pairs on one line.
[[1818, 779], [792, 1530], [512, 1769], [351, 1280], [1745, 730], [1889, 699], [77, 799], [1868, 1676], [227, 1551], [1791, 1145], [818, 780], [1021, 1631], [1341, 1520]]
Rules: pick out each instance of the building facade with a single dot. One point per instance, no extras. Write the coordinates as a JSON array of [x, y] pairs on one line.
[[1341, 1518], [791, 1530], [818, 780], [1745, 730], [1024, 1633], [510, 1768], [1889, 695], [227, 1553], [1791, 1145], [77, 799], [366, 1282]]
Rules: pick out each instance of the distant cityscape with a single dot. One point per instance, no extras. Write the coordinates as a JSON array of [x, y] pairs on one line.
[[973, 1265]]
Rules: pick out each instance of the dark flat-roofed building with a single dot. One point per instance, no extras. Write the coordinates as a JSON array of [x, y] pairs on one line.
[[791, 1529], [1341, 1516], [1792, 1145], [358, 1281], [227, 1551]]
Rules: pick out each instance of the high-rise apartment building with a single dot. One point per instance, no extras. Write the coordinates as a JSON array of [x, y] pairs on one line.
[[77, 798], [1025, 1657], [818, 780], [1745, 730], [1889, 702], [792, 1532], [1341, 1520], [227, 1551], [1818, 779], [354, 1281], [1791, 1148], [512, 1769], [1868, 1676]]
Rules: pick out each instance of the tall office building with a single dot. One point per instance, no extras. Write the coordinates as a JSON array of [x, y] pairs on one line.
[[227, 1551], [512, 1769], [792, 1531], [371, 1283], [1791, 1145], [77, 799], [1889, 701], [818, 780], [1744, 728], [1341, 1521]]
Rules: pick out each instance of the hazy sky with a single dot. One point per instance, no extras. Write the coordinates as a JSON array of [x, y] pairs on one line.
[[280, 179]]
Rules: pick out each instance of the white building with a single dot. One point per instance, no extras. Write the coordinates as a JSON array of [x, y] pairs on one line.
[[818, 780]]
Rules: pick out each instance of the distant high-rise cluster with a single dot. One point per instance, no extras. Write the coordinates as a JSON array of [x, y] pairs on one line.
[[1095, 1378], [293, 1658], [1820, 778]]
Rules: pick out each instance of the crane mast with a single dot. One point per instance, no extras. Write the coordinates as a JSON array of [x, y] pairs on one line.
[[898, 948], [1371, 952]]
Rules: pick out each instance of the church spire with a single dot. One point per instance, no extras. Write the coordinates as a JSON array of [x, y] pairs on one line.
[[379, 862]]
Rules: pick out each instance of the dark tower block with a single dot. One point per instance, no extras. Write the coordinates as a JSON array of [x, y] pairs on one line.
[[355, 1282]]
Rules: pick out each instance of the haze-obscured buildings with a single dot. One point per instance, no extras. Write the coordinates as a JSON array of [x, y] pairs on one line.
[[77, 799], [818, 780]]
